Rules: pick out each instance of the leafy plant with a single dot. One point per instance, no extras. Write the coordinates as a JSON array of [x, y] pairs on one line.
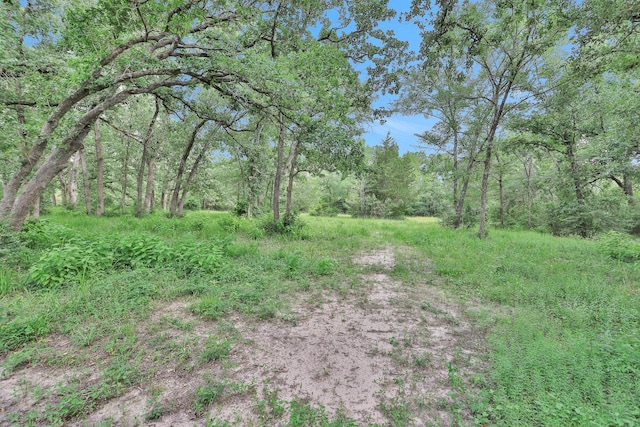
[[65, 263], [207, 394], [621, 246], [215, 350], [137, 250], [197, 257]]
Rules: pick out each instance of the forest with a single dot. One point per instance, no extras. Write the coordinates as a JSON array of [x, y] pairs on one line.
[[194, 230], [128, 107]]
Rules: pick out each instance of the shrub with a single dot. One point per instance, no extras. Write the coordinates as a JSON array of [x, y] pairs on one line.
[[41, 234], [138, 250], [197, 256], [241, 208], [229, 223], [621, 246], [290, 225], [71, 261]]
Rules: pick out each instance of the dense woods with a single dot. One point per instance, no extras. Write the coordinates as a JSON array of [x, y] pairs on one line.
[[123, 107]]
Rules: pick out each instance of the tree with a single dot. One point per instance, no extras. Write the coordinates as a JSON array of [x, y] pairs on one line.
[[111, 51], [499, 44]]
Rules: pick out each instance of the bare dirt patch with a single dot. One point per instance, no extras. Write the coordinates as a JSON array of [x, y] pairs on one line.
[[387, 354]]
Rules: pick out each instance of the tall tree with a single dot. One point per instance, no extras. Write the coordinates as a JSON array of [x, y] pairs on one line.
[[500, 44]]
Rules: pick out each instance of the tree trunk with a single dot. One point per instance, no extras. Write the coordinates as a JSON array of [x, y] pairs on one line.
[[483, 193], [140, 181], [628, 188], [125, 167], [63, 189], [36, 209], [528, 171], [148, 198], [33, 189], [457, 222], [192, 174], [85, 182], [164, 200], [100, 170], [291, 166], [175, 197], [72, 176], [145, 159], [278, 176], [575, 169], [455, 170], [501, 186]]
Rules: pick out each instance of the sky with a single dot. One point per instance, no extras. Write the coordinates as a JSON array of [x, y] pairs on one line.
[[401, 128]]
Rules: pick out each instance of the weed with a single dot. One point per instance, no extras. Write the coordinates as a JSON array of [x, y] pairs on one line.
[[207, 394], [423, 360], [270, 408], [215, 350], [397, 411], [326, 266], [153, 409]]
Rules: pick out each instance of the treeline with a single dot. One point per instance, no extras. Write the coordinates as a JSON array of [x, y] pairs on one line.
[[122, 107]]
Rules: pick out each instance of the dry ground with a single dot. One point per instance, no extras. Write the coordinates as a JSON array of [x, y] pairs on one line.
[[391, 353]]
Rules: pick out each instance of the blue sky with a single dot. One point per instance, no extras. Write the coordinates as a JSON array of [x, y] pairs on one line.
[[402, 128]]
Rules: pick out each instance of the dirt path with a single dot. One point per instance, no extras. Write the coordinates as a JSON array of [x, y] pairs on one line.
[[388, 354]]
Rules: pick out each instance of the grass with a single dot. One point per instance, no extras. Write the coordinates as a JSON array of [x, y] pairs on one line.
[[563, 331]]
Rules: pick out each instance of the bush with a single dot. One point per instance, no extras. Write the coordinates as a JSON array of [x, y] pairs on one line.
[[197, 257], [241, 208], [68, 262], [469, 219], [621, 246], [290, 225], [41, 234], [229, 223], [138, 250]]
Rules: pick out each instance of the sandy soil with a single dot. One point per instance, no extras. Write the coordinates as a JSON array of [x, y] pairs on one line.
[[376, 355]]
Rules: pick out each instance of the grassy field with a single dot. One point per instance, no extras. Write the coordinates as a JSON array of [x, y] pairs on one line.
[[559, 318]]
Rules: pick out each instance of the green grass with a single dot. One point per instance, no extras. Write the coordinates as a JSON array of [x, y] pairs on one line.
[[563, 328]]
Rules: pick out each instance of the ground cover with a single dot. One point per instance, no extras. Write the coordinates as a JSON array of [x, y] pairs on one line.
[[208, 320]]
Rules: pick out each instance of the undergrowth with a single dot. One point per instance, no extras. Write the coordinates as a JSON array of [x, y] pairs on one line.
[[563, 340]]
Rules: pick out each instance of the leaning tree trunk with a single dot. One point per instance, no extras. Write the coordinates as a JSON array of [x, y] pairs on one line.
[[457, 222], [192, 174], [36, 209], [483, 193], [175, 196], [33, 189]]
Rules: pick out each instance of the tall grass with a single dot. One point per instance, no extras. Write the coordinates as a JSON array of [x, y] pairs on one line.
[[568, 352], [563, 347]]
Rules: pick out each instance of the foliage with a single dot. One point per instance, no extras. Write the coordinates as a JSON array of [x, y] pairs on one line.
[[72, 261], [79, 257], [10, 243], [620, 246], [290, 225]]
